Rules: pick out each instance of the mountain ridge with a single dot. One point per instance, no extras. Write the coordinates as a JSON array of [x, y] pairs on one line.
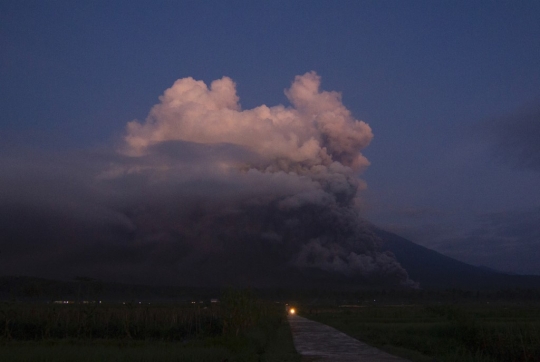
[[435, 270]]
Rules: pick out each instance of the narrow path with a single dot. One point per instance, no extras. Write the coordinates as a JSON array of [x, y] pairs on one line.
[[318, 342]]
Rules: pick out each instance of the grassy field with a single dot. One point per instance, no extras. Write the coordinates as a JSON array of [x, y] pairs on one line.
[[240, 328], [466, 332]]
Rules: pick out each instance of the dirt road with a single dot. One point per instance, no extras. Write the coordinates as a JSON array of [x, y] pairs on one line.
[[317, 342]]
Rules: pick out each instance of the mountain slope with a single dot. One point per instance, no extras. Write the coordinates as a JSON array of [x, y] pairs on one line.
[[434, 270]]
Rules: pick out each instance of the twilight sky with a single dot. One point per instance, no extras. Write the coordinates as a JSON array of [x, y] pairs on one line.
[[449, 92]]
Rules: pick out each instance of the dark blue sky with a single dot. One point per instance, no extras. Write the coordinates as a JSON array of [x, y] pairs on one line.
[[451, 90]]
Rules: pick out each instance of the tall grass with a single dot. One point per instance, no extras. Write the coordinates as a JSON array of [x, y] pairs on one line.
[[444, 333], [240, 328], [107, 321]]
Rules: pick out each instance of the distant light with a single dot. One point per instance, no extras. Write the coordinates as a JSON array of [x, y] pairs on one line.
[[292, 311]]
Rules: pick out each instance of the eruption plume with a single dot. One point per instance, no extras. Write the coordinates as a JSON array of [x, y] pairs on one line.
[[319, 130], [201, 193], [270, 183]]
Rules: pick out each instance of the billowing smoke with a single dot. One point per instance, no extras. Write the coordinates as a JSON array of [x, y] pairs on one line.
[[278, 181], [319, 130], [203, 192]]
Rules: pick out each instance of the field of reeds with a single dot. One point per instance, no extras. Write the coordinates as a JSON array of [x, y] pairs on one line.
[[238, 328], [438, 332]]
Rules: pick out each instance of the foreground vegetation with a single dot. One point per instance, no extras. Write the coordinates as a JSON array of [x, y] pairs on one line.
[[240, 328], [423, 326], [436, 332]]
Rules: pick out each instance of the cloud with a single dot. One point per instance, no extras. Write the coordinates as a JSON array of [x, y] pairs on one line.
[[202, 192], [515, 138]]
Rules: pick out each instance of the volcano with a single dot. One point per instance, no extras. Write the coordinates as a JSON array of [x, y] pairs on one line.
[[205, 193]]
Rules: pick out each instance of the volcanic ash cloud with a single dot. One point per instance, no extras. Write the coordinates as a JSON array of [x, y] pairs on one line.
[[202, 192], [318, 130], [278, 182]]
